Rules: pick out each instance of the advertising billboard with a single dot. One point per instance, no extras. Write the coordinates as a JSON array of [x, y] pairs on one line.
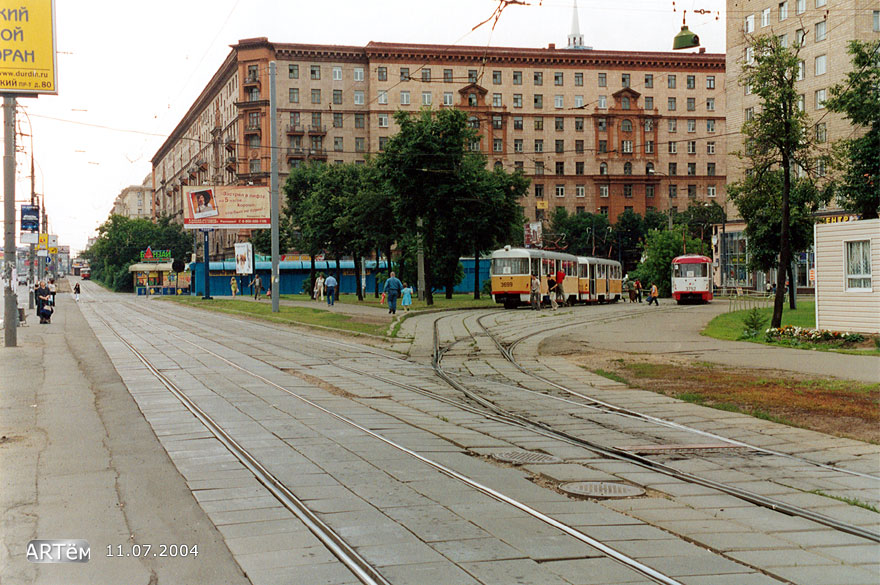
[[226, 206], [244, 258], [30, 218], [27, 47]]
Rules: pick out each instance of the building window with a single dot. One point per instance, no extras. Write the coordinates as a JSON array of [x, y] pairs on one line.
[[765, 17], [601, 124], [649, 191], [692, 147], [358, 98], [783, 10], [293, 95], [558, 101], [254, 165], [337, 96], [580, 191], [710, 125], [539, 168], [749, 25], [649, 80], [539, 101], [627, 168], [426, 75], [497, 145], [383, 120], [672, 125], [710, 169], [801, 101], [578, 79], [820, 167], [579, 146], [603, 146], [673, 169], [603, 168], [404, 98], [821, 132], [692, 191], [337, 143], [649, 147], [673, 147], [802, 70], [691, 104], [539, 145], [496, 100], [382, 74], [626, 126], [670, 81], [877, 21], [602, 103], [670, 104], [710, 191], [603, 80], [496, 122], [358, 73], [692, 82], [579, 167], [254, 141], [382, 97], [710, 148], [404, 73], [858, 265], [383, 142], [359, 120], [820, 65], [560, 190], [673, 191], [783, 40], [559, 123], [496, 77], [578, 101], [538, 78], [475, 145], [692, 169], [628, 191], [558, 78], [539, 123], [426, 98], [603, 210], [315, 71], [447, 98], [517, 123], [474, 122], [447, 75], [316, 96], [649, 125], [579, 124], [649, 103], [624, 80], [337, 74], [624, 103], [517, 100], [801, 6], [539, 191], [560, 146], [604, 190], [749, 114], [626, 146], [517, 77], [692, 125], [518, 145], [820, 99], [800, 35]]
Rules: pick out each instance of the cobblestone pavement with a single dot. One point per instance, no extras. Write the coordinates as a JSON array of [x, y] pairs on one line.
[[323, 411]]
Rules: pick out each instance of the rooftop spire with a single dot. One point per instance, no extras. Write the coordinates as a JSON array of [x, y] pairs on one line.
[[575, 39]]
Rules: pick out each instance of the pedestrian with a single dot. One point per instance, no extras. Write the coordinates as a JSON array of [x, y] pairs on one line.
[[331, 284], [560, 289], [551, 292], [76, 292], [535, 290], [406, 297], [319, 287], [393, 287], [53, 290], [42, 296], [638, 287], [45, 313], [768, 287], [257, 283], [652, 298], [233, 286]]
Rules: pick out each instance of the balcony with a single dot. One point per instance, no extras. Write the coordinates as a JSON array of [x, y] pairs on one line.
[[252, 80], [317, 130], [294, 129], [253, 129], [249, 103], [296, 152], [318, 153], [230, 144], [230, 163]]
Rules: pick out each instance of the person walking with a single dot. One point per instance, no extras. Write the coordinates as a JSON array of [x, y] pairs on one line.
[[535, 290], [319, 287], [331, 284], [393, 287], [233, 286], [406, 297], [257, 283], [560, 290], [655, 294], [76, 292], [638, 287], [551, 292], [53, 290]]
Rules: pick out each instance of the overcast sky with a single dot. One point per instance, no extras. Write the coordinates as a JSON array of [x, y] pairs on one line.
[[128, 71]]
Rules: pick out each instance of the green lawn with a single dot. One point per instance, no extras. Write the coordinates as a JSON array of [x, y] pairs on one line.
[[460, 301], [729, 326], [289, 315]]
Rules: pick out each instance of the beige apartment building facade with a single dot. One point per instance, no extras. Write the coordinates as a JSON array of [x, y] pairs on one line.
[[823, 30], [595, 131], [135, 201]]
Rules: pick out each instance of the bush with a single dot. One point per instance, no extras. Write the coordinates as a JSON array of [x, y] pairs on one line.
[[754, 323]]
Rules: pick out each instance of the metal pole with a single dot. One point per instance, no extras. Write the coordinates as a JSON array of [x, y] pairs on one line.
[[31, 246], [10, 313], [421, 264], [207, 296], [273, 186]]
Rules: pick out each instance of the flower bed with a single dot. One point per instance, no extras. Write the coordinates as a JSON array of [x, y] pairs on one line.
[[790, 332]]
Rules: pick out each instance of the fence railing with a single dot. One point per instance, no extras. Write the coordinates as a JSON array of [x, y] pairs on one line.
[[746, 300]]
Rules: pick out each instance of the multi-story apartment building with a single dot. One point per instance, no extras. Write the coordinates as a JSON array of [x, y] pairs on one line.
[[595, 131], [135, 201], [821, 29]]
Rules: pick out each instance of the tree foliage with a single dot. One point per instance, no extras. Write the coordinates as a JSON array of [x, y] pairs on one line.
[[856, 161], [661, 247], [121, 241]]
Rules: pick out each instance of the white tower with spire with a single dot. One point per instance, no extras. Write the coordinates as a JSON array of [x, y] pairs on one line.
[[576, 39]]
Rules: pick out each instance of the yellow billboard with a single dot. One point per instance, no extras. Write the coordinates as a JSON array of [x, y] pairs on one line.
[[27, 47]]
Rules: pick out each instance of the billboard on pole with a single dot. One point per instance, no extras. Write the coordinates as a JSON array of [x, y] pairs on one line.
[[244, 258], [27, 47], [226, 206]]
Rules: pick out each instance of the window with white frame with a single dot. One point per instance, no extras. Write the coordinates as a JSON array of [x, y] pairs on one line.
[[426, 98], [820, 3], [497, 145], [858, 265], [710, 104], [383, 120], [783, 10], [765, 17], [358, 98], [517, 100], [558, 101], [820, 65], [496, 100], [337, 74], [358, 73], [710, 191], [710, 125], [672, 124], [560, 190], [692, 125], [692, 147], [649, 147], [801, 102], [382, 97], [578, 101], [447, 98], [404, 98], [820, 99], [580, 191], [603, 102], [603, 190], [710, 148], [749, 27], [627, 146], [801, 6], [673, 147], [821, 28], [802, 68]]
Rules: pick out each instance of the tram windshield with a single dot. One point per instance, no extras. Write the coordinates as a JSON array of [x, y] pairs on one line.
[[502, 266], [691, 271]]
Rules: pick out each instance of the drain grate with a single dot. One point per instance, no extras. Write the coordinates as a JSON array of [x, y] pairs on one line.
[[525, 457], [601, 489]]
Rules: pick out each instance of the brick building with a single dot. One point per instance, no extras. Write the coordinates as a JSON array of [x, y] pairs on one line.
[[595, 131]]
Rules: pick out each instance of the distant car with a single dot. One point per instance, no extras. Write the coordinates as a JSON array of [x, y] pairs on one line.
[[22, 279]]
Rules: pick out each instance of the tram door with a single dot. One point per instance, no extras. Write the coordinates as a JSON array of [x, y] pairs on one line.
[[593, 282]]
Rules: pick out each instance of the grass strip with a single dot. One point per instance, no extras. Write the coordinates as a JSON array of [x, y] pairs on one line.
[[850, 501]]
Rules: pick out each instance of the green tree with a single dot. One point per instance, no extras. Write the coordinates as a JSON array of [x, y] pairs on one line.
[[777, 137], [586, 234], [629, 233], [660, 247], [698, 219], [856, 161]]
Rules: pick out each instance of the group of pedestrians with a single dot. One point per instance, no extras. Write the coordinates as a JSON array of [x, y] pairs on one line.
[[635, 292], [555, 290], [395, 289], [325, 287]]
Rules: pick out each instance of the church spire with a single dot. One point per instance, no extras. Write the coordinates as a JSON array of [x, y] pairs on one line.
[[575, 39]]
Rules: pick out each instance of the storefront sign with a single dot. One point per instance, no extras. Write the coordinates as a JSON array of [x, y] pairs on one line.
[[150, 255]]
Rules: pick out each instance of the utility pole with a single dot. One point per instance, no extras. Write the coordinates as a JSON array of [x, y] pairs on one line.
[[273, 187], [10, 306], [31, 246]]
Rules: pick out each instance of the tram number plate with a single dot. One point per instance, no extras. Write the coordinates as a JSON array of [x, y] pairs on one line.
[[506, 284]]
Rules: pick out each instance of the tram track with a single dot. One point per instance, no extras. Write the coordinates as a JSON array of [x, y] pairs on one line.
[[359, 567]]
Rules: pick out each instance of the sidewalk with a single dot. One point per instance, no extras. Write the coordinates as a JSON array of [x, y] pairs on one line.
[[78, 460], [678, 333]]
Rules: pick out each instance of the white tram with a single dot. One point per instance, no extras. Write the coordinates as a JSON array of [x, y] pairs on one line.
[[586, 279], [692, 278]]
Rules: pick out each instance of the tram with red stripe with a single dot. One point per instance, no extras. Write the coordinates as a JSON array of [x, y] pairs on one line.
[[692, 279]]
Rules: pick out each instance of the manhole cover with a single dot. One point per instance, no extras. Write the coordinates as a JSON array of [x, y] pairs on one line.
[[601, 489], [525, 457]]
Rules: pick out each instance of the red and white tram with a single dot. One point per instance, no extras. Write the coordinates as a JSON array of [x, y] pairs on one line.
[[692, 278]]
